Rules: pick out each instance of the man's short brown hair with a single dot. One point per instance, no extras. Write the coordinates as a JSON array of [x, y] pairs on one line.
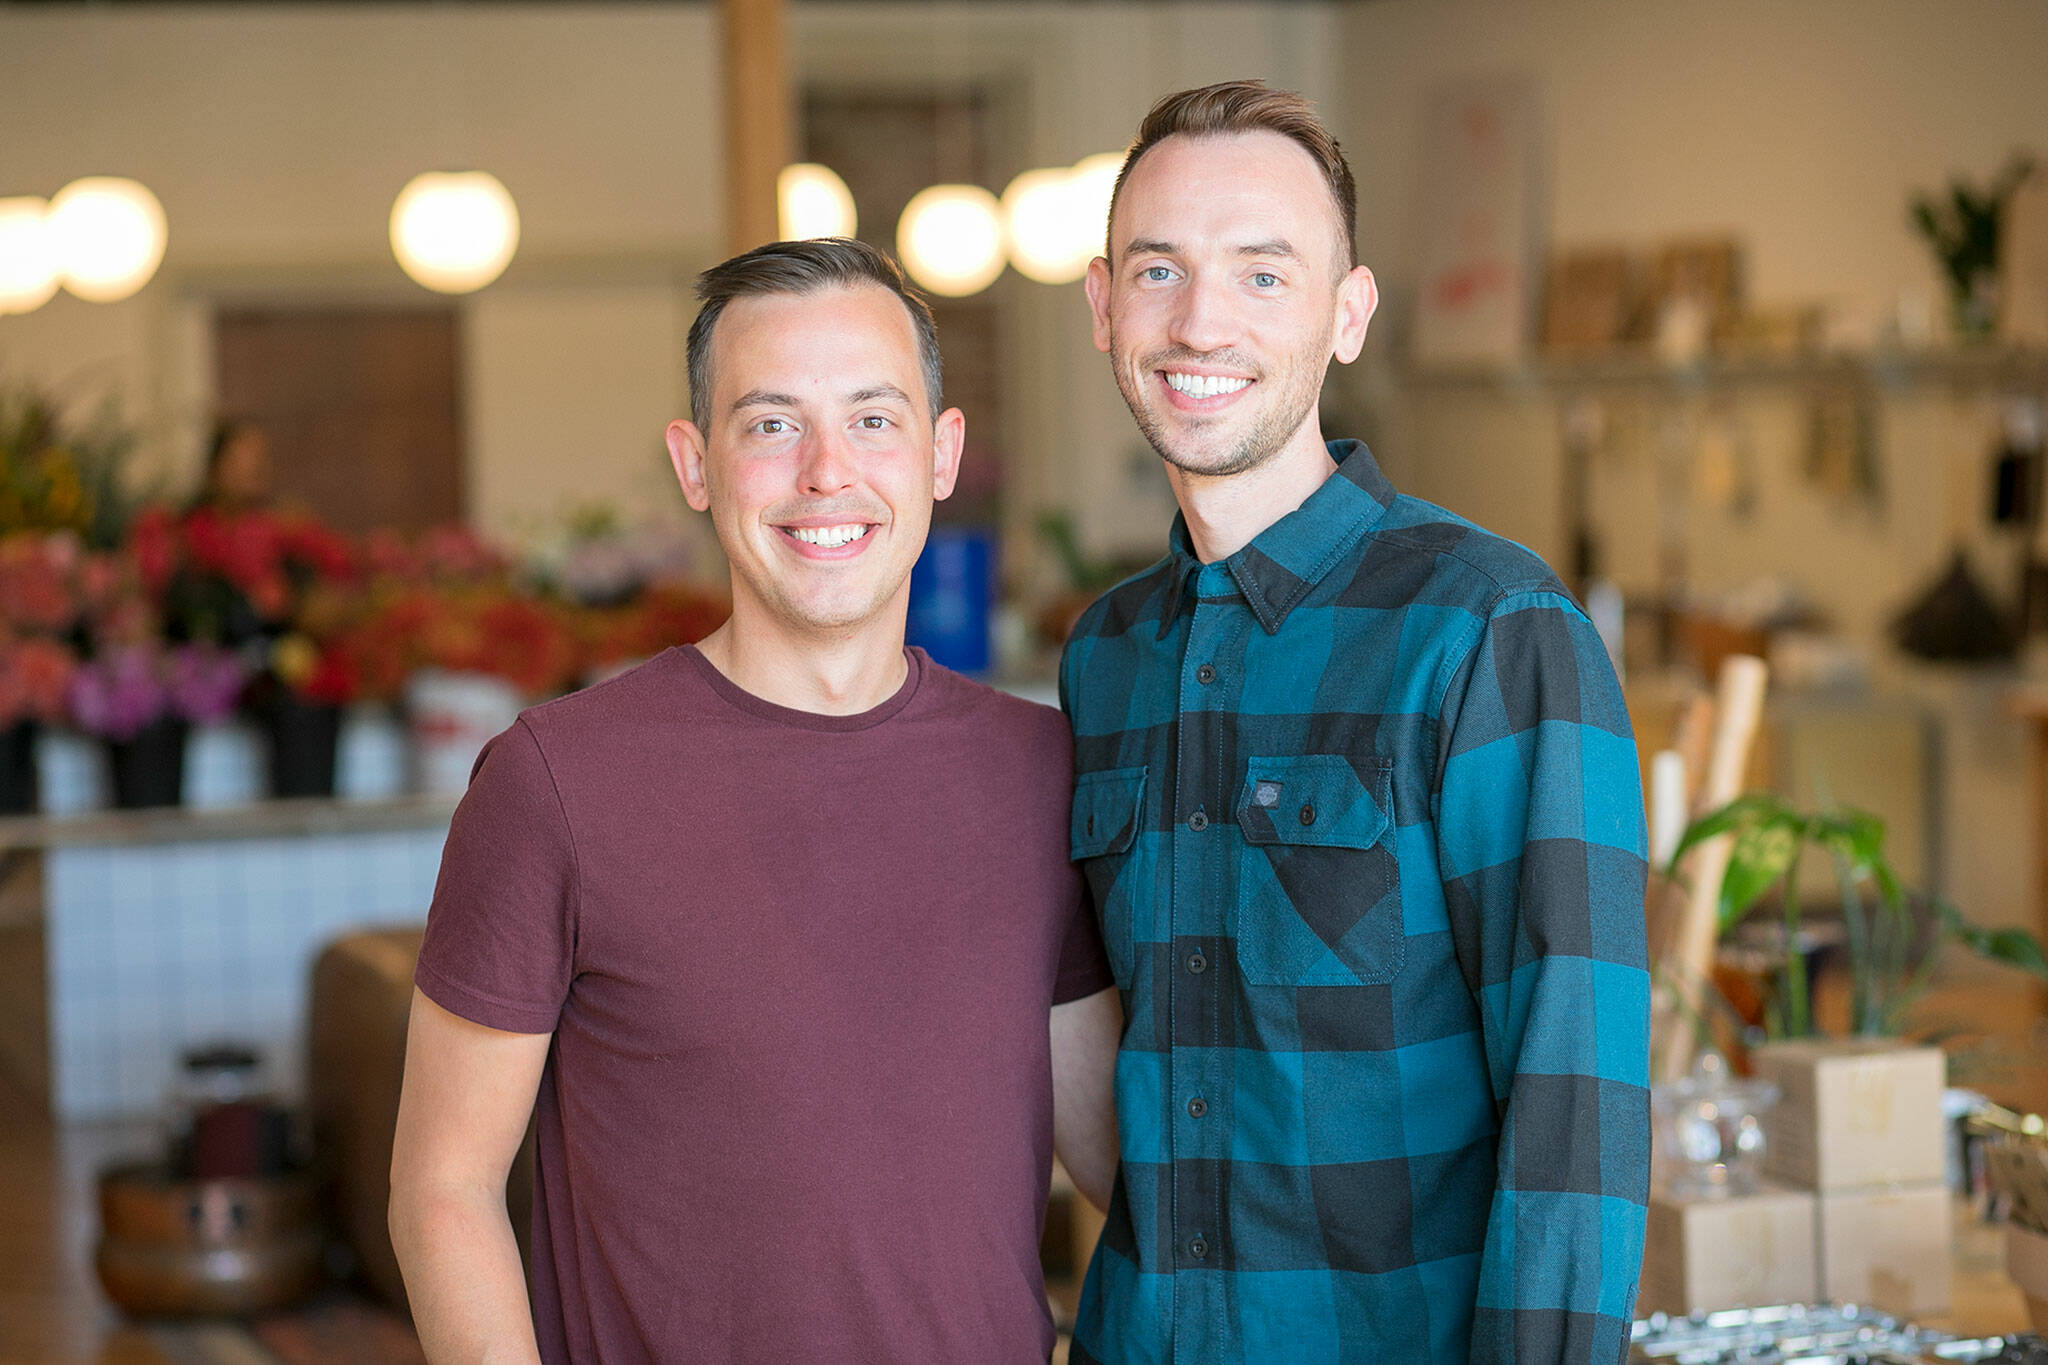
[[803, 268], [1250, 107]]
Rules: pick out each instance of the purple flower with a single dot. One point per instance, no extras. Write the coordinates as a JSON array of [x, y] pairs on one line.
[[205, 683], [118, 694]]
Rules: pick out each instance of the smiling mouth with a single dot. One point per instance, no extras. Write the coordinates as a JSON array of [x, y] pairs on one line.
[[1203, 385], [828, 537]]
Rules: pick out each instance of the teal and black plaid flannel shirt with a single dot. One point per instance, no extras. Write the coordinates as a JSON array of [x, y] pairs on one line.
[[1360, 810]]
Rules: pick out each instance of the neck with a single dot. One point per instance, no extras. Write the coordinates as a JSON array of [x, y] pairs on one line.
[[1226, 512], [828, 673]]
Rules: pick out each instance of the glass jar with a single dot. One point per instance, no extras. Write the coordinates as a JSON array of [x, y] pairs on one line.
[[1710, 1137]]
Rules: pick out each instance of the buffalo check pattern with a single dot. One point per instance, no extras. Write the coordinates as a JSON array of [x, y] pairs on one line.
[[1360, 811]]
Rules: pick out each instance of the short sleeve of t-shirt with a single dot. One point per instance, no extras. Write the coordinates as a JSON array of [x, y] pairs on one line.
[[1084, 963], [501, 933]]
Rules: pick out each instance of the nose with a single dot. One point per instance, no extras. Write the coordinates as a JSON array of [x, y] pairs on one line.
[[1202, 320], [828, 466]]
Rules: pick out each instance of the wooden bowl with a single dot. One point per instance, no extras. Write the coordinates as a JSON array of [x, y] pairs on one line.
[[197, 1247]]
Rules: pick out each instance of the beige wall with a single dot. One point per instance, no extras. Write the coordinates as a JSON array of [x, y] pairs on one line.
[[278, 137]]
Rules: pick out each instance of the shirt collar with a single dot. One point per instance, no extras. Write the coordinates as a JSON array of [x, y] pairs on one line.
[[1288, 558]]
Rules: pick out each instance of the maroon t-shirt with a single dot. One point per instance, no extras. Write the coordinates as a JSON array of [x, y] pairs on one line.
[[798, 1105]]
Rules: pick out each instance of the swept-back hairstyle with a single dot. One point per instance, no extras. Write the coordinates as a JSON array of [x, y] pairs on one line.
[[1251, 106], [802, 268]]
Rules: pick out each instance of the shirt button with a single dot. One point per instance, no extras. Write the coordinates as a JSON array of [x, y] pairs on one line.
[[1198, 1248], [1199, 821], [1308, 815], [1197, 1107], [1197, 963], [1205, 675]]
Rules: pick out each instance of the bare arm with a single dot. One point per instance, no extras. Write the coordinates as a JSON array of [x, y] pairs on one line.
[[468, 1093], [1085, 1034]]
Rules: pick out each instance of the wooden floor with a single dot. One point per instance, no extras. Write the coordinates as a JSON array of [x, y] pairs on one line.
[[51, 1308], [50, 1305]]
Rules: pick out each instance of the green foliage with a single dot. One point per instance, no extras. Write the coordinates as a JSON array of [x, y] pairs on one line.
[[62, 476], [1963, 229], [1888, 969]]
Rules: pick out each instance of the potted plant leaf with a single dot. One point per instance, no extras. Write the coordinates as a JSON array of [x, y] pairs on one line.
[[1891, 956]]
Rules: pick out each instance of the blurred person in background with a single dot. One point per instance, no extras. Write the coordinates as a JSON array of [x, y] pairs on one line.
[[1358, 803], [237, 477], [766, 932]]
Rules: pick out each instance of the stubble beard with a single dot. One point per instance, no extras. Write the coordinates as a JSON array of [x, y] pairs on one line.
[[1300, 389]]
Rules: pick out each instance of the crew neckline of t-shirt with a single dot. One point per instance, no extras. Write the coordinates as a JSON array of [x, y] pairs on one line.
[[746, 701]]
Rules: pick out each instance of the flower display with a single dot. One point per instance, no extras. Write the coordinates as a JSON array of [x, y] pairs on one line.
[[35, 680], [120, 693]]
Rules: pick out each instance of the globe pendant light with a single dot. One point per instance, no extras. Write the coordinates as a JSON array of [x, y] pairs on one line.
[[28, 259], [813, 202], [108, 234], [454, 231], [950, 239]]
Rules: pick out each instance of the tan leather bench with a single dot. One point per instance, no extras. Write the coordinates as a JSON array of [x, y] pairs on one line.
[[362, 996]]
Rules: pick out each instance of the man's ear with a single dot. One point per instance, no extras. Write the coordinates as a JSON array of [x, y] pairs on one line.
[[1097, 285], [949, 438], [1357, 296], [686, 453]]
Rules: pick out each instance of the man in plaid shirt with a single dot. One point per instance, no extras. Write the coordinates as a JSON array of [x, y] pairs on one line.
[[1359, 807]]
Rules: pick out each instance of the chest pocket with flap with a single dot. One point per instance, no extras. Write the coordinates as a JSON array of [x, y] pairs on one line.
[[1319, 901]]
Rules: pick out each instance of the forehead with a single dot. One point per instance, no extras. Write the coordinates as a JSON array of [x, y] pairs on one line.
[[826, 342], [1217, 188]]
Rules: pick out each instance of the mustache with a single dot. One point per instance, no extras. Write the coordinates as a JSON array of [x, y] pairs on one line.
[[848, 511], [1223, 359]]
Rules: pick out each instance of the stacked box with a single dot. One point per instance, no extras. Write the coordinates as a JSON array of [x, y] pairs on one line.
[[1859, 1123], [1732, 1251]]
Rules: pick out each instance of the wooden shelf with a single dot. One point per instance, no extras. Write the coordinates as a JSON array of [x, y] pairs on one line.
[[1967, 368]]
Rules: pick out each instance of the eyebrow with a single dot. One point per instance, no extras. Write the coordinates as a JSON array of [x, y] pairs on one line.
[[761, 398], [1152, 246], [765, 398]]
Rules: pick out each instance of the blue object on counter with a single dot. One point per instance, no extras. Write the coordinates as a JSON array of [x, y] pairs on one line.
[[952, 594]]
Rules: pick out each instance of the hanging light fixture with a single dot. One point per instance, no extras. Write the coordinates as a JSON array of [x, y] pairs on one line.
[[454, 231], [108, 234], [813, 202], [1047, 238], [28, 259], [1092, 187], [950, 239]]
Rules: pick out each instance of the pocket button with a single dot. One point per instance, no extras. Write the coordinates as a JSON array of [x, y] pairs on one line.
[[1308, 815], [1199, 821]]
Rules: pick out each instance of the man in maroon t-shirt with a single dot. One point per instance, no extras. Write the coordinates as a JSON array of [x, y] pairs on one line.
[[766, 933]]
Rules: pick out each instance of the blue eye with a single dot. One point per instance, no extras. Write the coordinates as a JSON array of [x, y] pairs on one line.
[[1265, 279], [1156, 273]]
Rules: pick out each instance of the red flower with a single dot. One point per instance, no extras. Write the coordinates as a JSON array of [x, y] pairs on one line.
[[35, 679], [155, 542]]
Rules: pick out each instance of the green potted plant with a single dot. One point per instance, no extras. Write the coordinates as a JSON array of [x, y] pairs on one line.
[[1891, 959], [1963, 231]]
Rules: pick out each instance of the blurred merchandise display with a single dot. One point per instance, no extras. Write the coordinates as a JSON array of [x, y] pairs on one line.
[[1815, 1334], [225, 651]]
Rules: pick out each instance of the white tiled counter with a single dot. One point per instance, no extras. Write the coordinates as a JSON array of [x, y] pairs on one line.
[[163, 930]]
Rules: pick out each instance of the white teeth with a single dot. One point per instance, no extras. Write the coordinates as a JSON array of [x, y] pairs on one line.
[[829, 537], [1203, 385]]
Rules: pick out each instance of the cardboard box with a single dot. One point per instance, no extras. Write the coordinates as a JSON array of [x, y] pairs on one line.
[[1853, 1113], [2026, 1262], [1888, 1249], [1734, 1251]]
